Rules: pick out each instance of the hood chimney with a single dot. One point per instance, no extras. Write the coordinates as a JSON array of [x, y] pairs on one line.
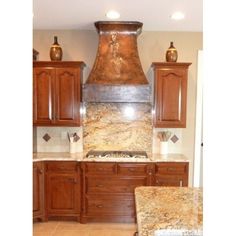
[[117, 74]]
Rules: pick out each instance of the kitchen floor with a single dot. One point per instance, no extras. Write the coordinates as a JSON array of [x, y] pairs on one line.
[[62, 228]]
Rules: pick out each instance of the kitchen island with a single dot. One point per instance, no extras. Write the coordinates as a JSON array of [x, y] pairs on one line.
[[165, 210]]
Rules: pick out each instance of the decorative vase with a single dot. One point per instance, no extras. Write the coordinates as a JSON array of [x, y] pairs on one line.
[[163, 147], [171, 53], [55, 51]]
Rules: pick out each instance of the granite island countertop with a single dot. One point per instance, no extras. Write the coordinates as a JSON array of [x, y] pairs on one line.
[[163, 209], [66, 156]]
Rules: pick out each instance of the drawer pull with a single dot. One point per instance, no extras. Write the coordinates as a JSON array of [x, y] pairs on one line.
[[99, 206], [74, 181], [171, 169], [99, 185], [100, 169], [131, 169]]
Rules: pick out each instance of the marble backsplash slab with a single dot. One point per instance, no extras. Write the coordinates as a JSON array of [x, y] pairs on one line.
[[117, 126]]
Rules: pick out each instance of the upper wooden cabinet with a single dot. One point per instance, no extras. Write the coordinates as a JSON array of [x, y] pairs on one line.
[[170, 94], [57, 93]]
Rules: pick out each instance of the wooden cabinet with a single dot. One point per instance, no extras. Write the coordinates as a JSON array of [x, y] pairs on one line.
[[38, 191], [171, 174], [57, 93], [108, 190], [170, 94], [62, 189], [103, 191]]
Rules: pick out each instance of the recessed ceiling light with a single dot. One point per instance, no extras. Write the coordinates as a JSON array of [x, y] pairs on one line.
[[113, 14], [177, 16]]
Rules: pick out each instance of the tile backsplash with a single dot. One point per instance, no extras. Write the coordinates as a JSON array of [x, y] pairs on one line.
[[173, 147], [109, 126], [58, 141]]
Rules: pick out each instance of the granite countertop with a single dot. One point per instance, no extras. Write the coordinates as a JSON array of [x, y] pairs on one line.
[[65, 156], [163, 210], [57, 156]]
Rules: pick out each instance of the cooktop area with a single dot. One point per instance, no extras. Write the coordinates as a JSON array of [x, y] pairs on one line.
[[116, 154]]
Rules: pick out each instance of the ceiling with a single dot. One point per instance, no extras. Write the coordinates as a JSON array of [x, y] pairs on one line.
[[81, 14]]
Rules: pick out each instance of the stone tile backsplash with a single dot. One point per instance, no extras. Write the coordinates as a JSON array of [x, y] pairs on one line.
[[58, 141], [173, 147]]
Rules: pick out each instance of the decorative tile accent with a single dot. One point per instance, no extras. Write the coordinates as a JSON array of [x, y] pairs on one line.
[[46, 137], [76, 137], [174, 139]]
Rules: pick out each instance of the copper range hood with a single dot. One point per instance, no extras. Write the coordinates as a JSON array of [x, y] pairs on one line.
[[117, 74]]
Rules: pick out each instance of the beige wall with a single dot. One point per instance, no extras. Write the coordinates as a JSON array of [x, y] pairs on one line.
[[82, 45]]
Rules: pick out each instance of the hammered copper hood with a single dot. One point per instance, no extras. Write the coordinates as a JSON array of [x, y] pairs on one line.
[[117, 74]]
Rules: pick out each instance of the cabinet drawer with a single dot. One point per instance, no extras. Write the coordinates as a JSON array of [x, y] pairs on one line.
[[61, 166], [172, 168], [110, 206], [100, 168], [113, 185], [132, 169], [170, 180]]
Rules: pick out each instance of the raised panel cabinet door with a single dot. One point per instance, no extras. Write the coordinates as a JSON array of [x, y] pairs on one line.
[[171, 97], [43, 82], [67, 103], [170, 94], [38, 190], [63, 194]]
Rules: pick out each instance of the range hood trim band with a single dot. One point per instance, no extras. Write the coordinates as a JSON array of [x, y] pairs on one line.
[[116, 93]]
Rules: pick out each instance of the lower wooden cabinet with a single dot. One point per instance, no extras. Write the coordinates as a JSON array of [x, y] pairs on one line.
[[97, 191], [38, 191], [171, 174], [108, 190], [62, 189]]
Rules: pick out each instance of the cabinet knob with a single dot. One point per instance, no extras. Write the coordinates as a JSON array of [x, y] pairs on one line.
[[131, 169], [100, 169], [40, 171], [99, 206], [150, 173]]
